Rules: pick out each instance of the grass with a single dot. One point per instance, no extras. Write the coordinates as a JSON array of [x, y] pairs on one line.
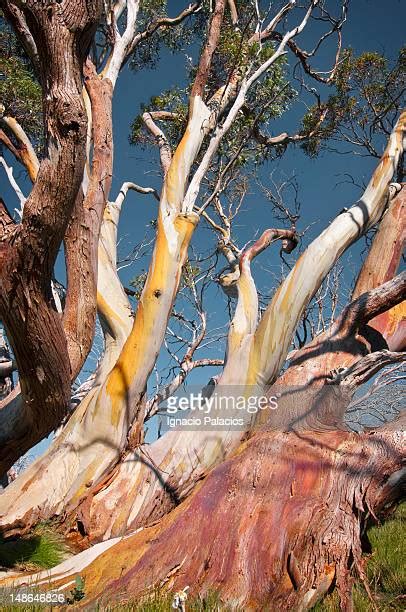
[[162, 602], [386, 570], [42, 549]]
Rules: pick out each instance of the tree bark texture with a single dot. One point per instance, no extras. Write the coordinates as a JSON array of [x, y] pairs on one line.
[[28, 251]]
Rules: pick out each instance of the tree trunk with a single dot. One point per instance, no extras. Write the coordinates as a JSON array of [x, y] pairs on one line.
[[276, 524], [28, 251]]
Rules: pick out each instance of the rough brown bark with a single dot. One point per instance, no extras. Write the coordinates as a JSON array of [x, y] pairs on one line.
[[82, 235], [275, 525], [27, 255]]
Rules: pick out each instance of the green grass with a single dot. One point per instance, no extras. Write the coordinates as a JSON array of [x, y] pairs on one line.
[[42, 549], [386, 570], [162, 602]]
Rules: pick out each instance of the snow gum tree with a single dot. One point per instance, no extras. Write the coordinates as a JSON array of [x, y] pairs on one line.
[[270, 514]]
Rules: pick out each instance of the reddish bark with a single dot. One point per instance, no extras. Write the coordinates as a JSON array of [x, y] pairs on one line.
[[381, 264], [208, 51], [275, 524], [307, 401], [28, 254], [82, 235]]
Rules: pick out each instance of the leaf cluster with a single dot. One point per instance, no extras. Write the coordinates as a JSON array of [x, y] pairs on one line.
[[268, 99], [369, 93], [20, 92], [172, 100], [173, 38]]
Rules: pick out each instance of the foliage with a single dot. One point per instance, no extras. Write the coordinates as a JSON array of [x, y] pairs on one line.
[[174, 101], [267, 100], [174, 38], [42, 549], [369, 91], [20, 92], [137, 283]]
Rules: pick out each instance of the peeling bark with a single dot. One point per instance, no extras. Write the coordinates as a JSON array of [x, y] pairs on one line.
[[82, 235], [28, 253], [295, 495], [381, 264], [256, 547], [154, 478]]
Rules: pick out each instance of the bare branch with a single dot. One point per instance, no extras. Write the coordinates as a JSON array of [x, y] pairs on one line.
[[26, 152], [245, 318], [9, 171], [372, 303], [260, 36], [366, 367], [127, 185], [303, 56], [285, 138], [164, 22], [165, 152], [122, 44]]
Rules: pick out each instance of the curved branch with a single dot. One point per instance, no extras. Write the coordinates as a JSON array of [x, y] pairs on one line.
[[233, 11], [25, 152], [165, 152], [245, 320], [275, 330], [125, 187], [122, 44], [385, 254], [366, 367], [371, 304]]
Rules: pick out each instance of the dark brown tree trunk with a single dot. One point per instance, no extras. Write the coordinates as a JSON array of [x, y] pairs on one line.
[[28, 251]]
